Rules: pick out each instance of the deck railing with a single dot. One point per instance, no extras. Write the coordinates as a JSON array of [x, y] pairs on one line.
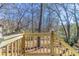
[[62, 48], [12, 46], [27, 44], [31, 44]]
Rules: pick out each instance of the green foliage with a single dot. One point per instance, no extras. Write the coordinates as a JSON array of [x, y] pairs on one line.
[[73, 36]]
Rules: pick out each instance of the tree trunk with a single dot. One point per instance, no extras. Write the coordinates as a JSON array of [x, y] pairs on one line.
[[32, 16], [40, 23], [49, 22], [68, 23], [58, 14], [76, 23]]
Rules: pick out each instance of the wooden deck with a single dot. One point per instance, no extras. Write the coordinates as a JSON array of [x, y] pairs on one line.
[[26, 45]]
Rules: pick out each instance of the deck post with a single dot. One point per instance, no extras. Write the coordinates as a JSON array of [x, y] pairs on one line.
[[23, 45], [52, 43]]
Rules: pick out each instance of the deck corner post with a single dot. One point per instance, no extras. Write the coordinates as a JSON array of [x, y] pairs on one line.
[[23, 45], [52, 43]]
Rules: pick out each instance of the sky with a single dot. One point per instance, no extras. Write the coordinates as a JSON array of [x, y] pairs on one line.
[[10, 11]]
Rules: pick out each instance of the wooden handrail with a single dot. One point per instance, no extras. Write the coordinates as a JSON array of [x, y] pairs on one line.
[[14, 36], [66, 45], [37, 34], [69, 47], [12, 46], [10, 40]]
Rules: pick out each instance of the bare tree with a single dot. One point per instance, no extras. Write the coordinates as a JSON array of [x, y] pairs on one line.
[[40, 23], [67, 20], [76, 20], [32, 15], [21, 14], [58, 12], [59, 15]]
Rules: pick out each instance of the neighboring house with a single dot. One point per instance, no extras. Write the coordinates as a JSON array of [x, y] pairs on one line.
[[1, 33], [8, 26]]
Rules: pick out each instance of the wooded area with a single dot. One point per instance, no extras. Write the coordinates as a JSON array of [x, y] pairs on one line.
[[62, 18]]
